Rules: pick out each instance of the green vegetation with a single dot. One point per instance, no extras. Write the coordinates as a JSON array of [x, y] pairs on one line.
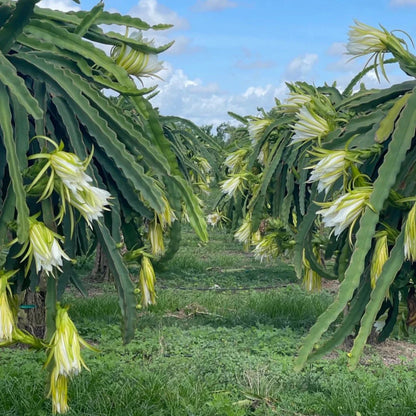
[[322, 186], [204, 351], [81, 169], [329, 176]]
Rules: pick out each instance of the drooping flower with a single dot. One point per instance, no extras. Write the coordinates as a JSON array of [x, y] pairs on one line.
[[137, 62], [43, 245], [257, 126], [295, 101], [9, 332], [65, 357], [244, 233], [90, 202], [263, 155], [236, 160], [65, 166], [266, 248], [234, 183], [184, 214], [365, 39], [70, 169], [167, 216], [274, 237], [58, 391], [332, 166], [309, 125], [410, 235], [203, 164], [346, 209], [67, 175], [147, 280], [156, 237], [66, 344], [7, 314]]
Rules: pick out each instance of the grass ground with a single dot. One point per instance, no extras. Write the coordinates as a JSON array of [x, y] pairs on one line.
[[219, 342]]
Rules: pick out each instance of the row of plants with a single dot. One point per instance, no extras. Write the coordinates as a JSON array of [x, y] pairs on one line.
[[327, 178], [86, 162]]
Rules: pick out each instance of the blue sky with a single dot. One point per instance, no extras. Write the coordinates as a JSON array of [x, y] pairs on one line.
[[237, 55]]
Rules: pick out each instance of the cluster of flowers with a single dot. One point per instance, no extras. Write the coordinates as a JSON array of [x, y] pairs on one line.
[[314, 118], [64, 173], [68, 177], [342, 213], [367, 40]]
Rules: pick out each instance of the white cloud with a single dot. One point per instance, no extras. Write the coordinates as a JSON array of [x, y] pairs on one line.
[[62, 5], [213, 5], [207, 104], [299, 67], [257, 92], [402, 2], [154, 13]]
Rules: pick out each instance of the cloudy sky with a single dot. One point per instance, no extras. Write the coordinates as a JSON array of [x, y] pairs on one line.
[[237, 55]]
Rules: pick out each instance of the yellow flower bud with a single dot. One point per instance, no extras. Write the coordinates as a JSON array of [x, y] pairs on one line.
[[311, 279], [136, 62], [156, 238], [7, 314], [380, 256], [147, 280], [410, 235]]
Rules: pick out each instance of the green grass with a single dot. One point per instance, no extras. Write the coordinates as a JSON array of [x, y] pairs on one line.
[[209, 352]]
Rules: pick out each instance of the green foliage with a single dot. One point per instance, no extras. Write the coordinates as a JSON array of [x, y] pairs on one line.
[[210, 352], [336, 170], [53, 76], [89, 169]]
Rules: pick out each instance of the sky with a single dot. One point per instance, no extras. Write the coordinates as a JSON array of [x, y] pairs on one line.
[[238, 55]]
